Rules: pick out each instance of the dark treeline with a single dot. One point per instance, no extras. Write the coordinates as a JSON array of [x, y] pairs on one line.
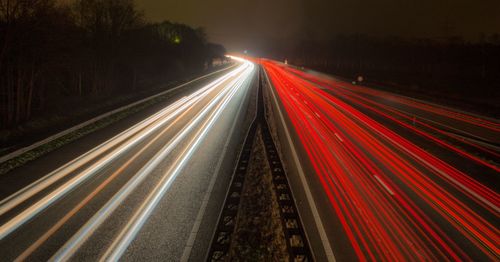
[[450, 67], [62, 53]]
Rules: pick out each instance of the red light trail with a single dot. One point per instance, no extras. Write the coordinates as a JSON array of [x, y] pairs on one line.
[[391, 196]]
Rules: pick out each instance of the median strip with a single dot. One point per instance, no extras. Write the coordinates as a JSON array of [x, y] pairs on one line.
[[259, 219]]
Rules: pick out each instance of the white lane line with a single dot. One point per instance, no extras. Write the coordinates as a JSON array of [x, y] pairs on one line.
[[339, 138], [201, 212], [384, 185], [319, 224]]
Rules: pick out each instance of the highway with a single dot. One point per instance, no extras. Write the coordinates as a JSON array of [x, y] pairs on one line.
[[379, 176], [152, 191]]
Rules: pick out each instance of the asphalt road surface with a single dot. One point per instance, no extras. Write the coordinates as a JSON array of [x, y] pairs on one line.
[[378, 176], [151, 190]]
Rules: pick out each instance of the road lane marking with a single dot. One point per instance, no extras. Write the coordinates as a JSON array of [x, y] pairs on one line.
[[201, 212], [319, 224], [384, 185]]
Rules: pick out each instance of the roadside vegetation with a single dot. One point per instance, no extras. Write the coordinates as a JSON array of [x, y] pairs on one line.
[[258, 234], [86, 56], [451, 70]]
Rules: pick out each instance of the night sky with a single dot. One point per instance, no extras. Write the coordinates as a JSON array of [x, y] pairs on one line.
[[253, 24]]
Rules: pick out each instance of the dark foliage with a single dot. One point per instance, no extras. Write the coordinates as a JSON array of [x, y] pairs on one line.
[[450, 67], [52, 54]]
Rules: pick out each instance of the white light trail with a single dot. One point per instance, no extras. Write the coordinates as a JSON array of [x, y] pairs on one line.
[[86, 231], [133, 136], [132, 228]]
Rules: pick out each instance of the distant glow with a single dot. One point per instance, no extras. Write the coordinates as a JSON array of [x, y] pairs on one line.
[[236, 58], [176, 39]]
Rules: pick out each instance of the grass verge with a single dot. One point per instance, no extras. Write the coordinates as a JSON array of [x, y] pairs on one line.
[[258, 235]]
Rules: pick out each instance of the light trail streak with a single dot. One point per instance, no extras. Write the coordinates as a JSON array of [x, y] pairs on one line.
[[134, 136], [129, 232], [50, 198], [213, 98], [138, 137], [149, 125], [349, 94], [482, 195], [41, 184], [91, 226], [391, 197], [300, 170], [483, 122], [89, 197]]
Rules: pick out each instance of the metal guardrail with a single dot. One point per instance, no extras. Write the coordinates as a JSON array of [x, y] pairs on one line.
[[20, 151]]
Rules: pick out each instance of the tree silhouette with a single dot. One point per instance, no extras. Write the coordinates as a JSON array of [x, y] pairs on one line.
[[55, 54]]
